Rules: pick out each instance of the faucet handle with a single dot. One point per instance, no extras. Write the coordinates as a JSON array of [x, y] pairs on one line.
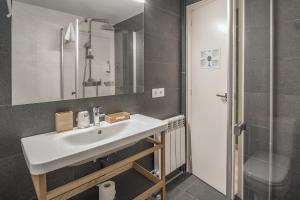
[[101, 110], [101, 114], [95, 109]]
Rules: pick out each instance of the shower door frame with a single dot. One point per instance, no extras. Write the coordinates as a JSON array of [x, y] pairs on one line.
[[239, 99], [239, 95], [76, 66]]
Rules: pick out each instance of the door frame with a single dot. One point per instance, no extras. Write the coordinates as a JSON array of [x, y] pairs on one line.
[[240, 105], [231, 101]]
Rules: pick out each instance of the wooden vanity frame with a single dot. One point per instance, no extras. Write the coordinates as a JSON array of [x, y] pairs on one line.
[[77, 186]]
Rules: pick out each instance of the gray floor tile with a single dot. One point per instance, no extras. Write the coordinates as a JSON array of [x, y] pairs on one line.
[[174, 193], [199, 190], [185, 196], [191, 188], [187, 183], [183, 182]]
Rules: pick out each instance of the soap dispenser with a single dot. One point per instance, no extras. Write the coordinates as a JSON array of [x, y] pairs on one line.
[[96, 112], [83, 119], [98, 115]]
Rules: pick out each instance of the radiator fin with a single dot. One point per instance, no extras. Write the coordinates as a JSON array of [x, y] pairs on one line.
[[175, 145]]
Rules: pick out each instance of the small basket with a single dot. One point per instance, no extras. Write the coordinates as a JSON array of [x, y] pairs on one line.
[[116, 117]]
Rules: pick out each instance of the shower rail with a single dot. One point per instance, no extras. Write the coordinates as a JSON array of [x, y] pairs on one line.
[[271, 97], [76, 57], [62, 63], [62, 69]]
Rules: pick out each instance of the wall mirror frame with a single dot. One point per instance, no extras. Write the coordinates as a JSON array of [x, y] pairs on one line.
[[73, 49]]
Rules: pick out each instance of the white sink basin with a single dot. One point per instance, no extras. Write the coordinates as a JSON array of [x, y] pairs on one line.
[[95, 134], [51, 151]]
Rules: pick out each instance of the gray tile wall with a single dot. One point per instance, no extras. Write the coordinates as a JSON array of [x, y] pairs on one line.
[[287, 86], [5, 57], [183, 56], [162, 69], [257, 73], [287, 90], [257, 81]]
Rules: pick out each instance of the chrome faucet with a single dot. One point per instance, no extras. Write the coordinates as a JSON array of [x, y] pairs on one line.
[[98, 115]]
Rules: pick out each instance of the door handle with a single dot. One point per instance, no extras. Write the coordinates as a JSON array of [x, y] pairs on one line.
[[239, 128], [224, 96]]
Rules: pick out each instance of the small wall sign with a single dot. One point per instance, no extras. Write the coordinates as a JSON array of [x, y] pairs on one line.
[[210, 58]]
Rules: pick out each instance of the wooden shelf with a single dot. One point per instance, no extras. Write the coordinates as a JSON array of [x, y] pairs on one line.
[[127, 188], [76, 187]]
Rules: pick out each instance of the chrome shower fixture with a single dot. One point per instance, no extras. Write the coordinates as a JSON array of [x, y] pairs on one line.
[[89, 53]]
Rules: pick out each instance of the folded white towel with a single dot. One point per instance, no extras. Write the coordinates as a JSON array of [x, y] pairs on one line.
[[70, 33], [9, 6]]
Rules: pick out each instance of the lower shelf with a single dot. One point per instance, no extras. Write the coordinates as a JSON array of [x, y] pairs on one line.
[[125, 188]]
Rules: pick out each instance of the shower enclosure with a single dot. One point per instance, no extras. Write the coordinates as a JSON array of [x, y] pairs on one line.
[[268, 100], [87, 57], [101, 59]]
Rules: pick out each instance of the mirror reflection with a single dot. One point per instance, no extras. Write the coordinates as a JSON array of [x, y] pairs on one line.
[[68, 49]]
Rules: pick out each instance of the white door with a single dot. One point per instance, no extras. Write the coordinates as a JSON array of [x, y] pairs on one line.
[[208, 76]]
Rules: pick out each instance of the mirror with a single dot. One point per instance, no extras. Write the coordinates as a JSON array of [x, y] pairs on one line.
[[70, 49]]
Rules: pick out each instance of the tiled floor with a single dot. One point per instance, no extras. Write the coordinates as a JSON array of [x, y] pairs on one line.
[[189, 187]]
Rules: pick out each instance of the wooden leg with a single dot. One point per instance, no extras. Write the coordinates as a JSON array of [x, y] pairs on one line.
[[40, 186], [163, 166]]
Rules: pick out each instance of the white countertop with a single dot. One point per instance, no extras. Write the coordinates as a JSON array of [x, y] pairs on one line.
[[51, 151]]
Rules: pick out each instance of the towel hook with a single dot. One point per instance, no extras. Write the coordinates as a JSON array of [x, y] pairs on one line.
[[9, 6]]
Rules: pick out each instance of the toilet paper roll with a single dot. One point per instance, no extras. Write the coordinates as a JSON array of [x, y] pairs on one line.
[[107, 190]]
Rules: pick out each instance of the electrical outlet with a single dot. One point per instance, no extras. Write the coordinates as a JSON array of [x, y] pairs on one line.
[[154, 93], [158, 92], [161, 92]]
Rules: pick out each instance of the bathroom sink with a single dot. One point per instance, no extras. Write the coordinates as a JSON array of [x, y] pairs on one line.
[[100, 133], [51, 151]]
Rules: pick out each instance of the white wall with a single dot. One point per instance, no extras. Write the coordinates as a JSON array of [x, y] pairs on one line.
[[36, 53], [36, 56]]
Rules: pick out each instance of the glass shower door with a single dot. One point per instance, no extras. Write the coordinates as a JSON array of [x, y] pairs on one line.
[[257, 100], [68, 59], [285, 177], [269, 60]]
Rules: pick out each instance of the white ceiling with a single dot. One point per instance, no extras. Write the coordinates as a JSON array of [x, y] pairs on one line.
[[114, 10]]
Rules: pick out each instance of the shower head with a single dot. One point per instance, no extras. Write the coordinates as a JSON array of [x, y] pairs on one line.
[[107, 27], [100, 20]]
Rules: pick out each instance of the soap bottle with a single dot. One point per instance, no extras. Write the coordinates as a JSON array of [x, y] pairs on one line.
[[96, 116], [101, 114]]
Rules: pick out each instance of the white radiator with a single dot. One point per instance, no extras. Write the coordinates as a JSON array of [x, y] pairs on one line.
[[175, 145]]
